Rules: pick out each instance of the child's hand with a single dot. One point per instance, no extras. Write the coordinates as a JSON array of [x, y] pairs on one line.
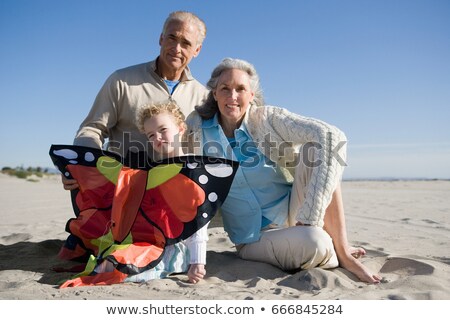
[[196, 272]]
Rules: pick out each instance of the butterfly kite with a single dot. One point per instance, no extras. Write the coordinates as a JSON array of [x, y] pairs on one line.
[[128, 210]]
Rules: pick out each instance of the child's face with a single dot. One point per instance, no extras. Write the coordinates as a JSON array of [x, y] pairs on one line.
[[162, 130]]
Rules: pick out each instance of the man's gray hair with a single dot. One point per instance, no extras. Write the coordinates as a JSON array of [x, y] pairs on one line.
[[185, 16]]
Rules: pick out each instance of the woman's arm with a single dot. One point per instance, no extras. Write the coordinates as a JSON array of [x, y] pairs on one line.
[[323, 143]]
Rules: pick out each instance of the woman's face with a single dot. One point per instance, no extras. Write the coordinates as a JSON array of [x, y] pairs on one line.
[[233, 95]]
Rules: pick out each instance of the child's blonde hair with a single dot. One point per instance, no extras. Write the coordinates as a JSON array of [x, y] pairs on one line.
[[150, 110]]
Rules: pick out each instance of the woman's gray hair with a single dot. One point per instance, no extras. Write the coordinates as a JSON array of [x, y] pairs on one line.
[[185, 16], [210, 107]]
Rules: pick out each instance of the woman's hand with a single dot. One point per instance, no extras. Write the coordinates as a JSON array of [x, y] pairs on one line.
[[196, 272], [352, 264]]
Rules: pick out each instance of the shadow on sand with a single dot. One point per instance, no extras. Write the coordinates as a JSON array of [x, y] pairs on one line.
[[39, 257]]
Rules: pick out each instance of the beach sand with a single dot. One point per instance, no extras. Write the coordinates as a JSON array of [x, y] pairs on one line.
[[403, 225]]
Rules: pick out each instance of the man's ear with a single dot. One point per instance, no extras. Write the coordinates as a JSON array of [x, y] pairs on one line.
[[160, 38], [197, 51]]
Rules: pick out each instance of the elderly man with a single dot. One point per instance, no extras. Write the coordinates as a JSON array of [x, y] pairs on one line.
[[113, 113]]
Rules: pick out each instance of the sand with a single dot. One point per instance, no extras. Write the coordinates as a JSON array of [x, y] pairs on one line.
[[403, 225]]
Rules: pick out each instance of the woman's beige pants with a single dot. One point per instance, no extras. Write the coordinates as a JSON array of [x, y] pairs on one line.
[[293, 247]]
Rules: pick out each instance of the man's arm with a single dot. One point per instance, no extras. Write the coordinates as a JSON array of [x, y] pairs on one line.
[[95, 128], [103, 115]]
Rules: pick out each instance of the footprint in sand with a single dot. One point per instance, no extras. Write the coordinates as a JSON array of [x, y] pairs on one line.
[[429, 221], [15, 237], [316, 279], [398, 268]]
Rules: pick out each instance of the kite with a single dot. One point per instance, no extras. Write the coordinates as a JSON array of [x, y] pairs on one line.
[[127, 211]]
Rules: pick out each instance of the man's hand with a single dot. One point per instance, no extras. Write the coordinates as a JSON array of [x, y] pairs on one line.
[[196, 272], [69, 184]]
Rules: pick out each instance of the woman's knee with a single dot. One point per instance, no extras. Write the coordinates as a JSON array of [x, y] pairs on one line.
[[318, 250]]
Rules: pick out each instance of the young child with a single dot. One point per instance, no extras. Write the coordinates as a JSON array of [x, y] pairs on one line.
[[164, 125]]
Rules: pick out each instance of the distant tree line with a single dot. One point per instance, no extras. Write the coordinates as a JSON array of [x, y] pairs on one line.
[[21, 172]]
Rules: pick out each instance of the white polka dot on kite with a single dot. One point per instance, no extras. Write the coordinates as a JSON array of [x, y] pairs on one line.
[[203, 179], [212, 197], [66, 153], [89, 156], [220, 170], [192, 165]]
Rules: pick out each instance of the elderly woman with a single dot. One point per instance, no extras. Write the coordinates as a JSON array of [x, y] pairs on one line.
[[285, 205]]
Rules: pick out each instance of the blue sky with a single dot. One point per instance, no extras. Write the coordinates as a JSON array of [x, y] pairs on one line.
[[379, 70]]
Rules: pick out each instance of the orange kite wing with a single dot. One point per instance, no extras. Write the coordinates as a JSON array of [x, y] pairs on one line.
[[127, 200], [185, 202]]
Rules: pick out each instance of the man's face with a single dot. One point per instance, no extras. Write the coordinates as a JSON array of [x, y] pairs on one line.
[[178, 45]]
